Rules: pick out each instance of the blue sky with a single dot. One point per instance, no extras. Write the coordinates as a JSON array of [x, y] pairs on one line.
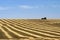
[[29, 8]]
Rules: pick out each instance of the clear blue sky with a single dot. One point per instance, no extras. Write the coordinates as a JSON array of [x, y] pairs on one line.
[[29, 8]]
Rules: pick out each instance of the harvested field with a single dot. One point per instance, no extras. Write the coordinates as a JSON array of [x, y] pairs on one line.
[[32, 29]]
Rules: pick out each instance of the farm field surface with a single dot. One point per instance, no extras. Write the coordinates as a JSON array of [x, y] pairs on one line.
[[33, 28]]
